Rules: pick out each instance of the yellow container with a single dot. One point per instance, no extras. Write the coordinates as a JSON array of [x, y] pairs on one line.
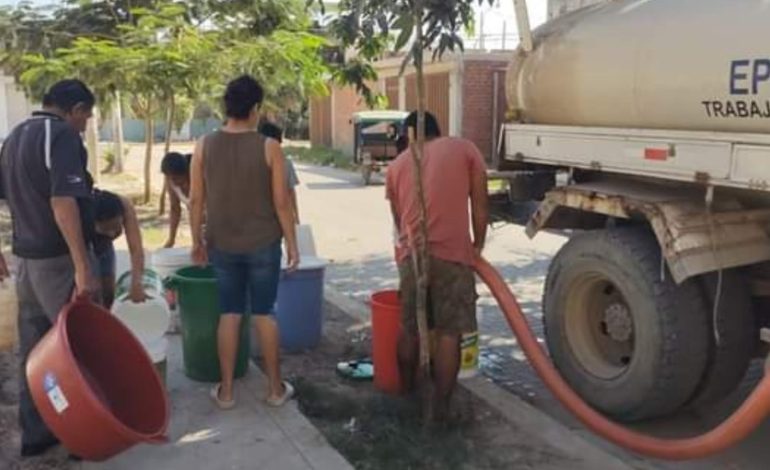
[[469, 355]]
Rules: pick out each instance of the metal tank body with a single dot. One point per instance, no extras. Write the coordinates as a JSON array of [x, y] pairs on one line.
[[652, 64]]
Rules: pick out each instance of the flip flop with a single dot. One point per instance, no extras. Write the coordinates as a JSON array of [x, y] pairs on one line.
[[356, 370], [278, 402], [222, 404]]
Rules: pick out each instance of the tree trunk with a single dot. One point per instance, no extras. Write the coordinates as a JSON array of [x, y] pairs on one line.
[[170, 123], [169, 126], [92, 142], [149, 141], [421, 256], [117, 133]]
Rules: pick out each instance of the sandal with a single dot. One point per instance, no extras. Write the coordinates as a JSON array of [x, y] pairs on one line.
[[356, 370], [222, 404], [288, 394]]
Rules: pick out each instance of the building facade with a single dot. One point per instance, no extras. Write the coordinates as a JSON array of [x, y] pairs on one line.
[[466, 93], [14, 105]]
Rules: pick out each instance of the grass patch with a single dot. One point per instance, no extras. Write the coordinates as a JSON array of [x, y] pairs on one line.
[[321, 156], [380, 432]]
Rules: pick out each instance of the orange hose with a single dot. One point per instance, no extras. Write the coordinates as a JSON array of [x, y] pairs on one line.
[[734, 429]]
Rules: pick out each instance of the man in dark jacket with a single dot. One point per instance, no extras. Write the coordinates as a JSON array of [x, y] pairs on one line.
[[44, 180]]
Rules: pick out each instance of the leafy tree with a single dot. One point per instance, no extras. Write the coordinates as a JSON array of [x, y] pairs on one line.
[[287, 64], [371, 27], [95, 61], [161, 53], [250, 18]]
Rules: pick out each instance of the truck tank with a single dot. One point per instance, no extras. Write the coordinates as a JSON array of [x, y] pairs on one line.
[[653, 64]]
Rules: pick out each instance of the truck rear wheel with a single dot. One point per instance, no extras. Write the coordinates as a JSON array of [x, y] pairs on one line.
[[729, 357], [630, 341]]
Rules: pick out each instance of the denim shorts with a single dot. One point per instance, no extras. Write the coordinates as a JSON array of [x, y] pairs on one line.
[[248, 282]]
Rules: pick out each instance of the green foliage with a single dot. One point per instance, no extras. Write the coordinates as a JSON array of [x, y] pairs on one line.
[[286, 63], [375, 27], [251, 17], [158, 50], [98, 62]]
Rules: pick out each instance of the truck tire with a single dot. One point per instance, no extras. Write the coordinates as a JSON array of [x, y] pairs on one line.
[[630, 341], [728, 359]]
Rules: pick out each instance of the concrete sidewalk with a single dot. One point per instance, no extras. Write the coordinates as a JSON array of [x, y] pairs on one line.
[[252, 436]]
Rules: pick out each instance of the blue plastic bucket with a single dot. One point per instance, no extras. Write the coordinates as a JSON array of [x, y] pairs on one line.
[[299, 309]]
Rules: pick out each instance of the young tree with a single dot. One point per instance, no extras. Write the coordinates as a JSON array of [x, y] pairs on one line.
[[96, 62], [158, 53], [371, 27]]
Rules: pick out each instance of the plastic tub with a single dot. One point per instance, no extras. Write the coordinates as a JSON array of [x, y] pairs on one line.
[[299, 309], [386, 328], [198, 300], [95, 386]]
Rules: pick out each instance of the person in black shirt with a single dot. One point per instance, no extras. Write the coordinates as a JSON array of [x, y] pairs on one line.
[[115, 215], [44, 180]]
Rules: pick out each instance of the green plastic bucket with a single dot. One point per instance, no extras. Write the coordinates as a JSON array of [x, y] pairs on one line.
[[151, 283], [198, 302]]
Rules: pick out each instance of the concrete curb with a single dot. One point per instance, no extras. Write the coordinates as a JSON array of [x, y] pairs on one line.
[[510, 406]]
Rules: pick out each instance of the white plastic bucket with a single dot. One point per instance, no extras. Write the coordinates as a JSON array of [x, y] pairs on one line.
[[305, 241], [9, 315], [158, 352], [167, 261], [148, 320]]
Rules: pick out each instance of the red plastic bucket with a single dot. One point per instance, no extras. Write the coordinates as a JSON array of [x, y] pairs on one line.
[[95, 386], [386, 327]]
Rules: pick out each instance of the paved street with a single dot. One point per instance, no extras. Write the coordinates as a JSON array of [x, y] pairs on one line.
[[352, 229]]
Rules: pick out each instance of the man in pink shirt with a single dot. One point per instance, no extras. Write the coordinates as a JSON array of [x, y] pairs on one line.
[[454, 177]]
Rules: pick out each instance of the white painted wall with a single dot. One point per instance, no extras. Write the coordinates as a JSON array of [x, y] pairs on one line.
[[14, 106], [560, 7]]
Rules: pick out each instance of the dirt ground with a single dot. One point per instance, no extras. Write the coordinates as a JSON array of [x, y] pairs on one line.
[[374, 431], [9, 429]]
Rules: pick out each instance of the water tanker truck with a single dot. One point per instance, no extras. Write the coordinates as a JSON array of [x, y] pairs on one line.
[[654, 117]]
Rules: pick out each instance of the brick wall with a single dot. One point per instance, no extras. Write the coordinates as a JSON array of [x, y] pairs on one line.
[[392, 92], [436, 97], [478, 103], [346, 102], [320, 121]]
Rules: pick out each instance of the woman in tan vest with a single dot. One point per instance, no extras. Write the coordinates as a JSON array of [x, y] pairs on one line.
[[238, 180]]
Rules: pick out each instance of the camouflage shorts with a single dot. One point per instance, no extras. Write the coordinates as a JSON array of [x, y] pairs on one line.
[[451, 297]]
